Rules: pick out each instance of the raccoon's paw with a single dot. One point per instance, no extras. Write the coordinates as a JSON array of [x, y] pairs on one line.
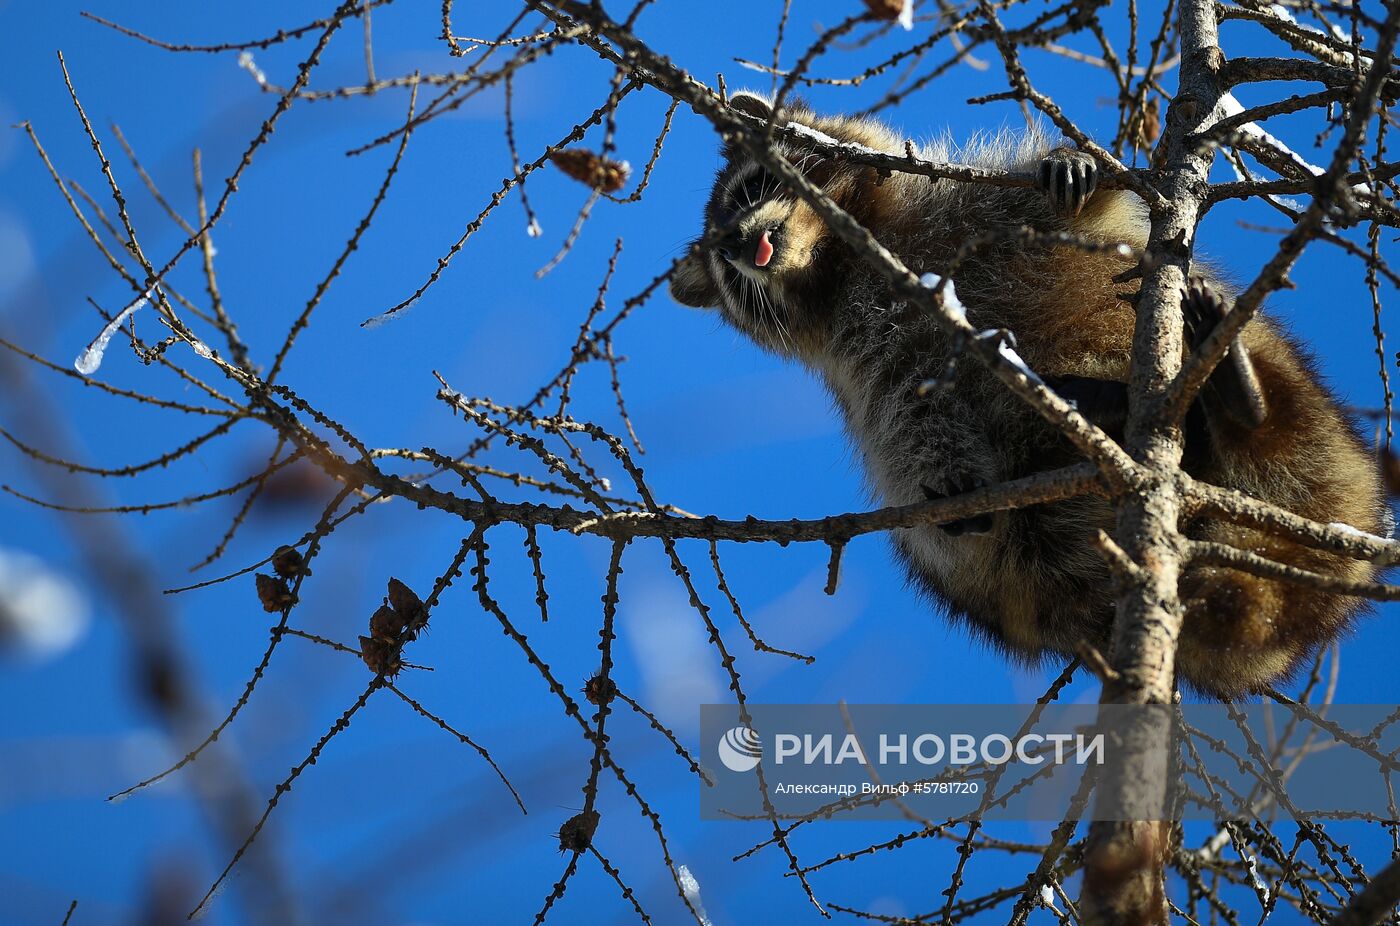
[[1201, 310], [1234, 380], [1068, 178], [957, 484]]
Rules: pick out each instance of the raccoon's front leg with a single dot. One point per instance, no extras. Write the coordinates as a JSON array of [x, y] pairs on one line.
[[957, 482], [1068, 178], [950, 454], [1103, 401]]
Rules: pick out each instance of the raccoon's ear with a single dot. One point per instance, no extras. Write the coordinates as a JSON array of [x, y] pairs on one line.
[[691, 284], [751, 104], [760, 107]]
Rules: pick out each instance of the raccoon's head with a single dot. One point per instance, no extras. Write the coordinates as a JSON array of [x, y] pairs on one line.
[[766, 260]]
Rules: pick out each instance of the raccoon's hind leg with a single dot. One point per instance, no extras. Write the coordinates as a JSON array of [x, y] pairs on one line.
[[1067, 177], [1241, 631], [1234, 381]]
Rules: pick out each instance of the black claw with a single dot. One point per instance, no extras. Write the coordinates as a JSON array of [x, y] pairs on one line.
[[977, 524], [954, 528], [1068, 178], [1234, 381], [1201, 309]]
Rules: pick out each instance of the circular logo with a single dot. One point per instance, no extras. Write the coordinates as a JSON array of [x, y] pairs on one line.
[[740, 749]]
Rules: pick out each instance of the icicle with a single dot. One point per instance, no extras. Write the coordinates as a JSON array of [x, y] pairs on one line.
[[91, 358], [1252, 864], [245, 61], [691, 888]]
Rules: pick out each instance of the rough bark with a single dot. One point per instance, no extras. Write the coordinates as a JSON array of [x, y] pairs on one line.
[[1124, 879]]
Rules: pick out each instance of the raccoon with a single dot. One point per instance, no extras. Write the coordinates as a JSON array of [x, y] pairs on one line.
[[1030, 580]]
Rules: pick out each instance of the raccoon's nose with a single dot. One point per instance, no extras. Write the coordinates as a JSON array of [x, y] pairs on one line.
[[731, 245]]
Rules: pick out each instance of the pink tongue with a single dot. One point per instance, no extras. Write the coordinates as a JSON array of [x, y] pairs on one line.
[[764, 253]]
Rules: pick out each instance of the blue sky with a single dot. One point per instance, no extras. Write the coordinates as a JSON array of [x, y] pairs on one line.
[[728, 430]]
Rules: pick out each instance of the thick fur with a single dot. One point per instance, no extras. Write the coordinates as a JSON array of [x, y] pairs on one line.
[[1033, 583]]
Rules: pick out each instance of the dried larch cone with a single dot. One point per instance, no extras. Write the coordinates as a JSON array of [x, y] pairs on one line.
[[274, 594], [885, 9], [406, 602], [1145, 125], [382, 656], [598, 171], [599, 690], [576, 835], [386, 624], [289, 563]]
